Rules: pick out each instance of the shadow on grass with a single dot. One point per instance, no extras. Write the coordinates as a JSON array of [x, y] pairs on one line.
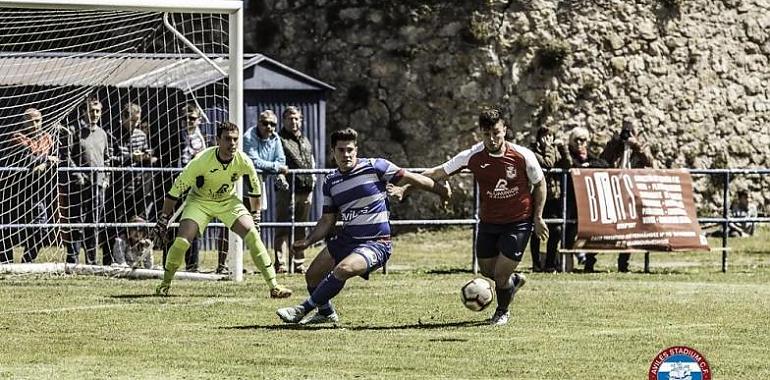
[[135, 296], [755, 251], [414, 326], [448, 271]]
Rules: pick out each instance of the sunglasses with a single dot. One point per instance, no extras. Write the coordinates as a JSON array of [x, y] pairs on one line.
[[269, 123], [192, 118]]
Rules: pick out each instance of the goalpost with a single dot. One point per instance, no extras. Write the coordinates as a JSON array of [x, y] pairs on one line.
[[152, 59]]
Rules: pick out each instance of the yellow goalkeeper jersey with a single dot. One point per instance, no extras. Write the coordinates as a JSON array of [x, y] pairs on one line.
[[209, 178]]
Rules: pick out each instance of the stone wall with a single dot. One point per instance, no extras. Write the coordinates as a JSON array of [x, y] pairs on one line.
[[410, 76]]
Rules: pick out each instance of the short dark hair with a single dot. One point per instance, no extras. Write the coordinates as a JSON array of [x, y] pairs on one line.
[[226, 126], [347, 134], [91, 99], [489, 117]]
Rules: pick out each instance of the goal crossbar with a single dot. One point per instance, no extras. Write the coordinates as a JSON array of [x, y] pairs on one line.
[[179, 6]]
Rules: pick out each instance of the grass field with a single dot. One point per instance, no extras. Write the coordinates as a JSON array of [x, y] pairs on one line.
[[408, 324]]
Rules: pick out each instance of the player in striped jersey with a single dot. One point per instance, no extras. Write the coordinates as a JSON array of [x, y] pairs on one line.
[[354, 194], [512, 195], [210, 177]]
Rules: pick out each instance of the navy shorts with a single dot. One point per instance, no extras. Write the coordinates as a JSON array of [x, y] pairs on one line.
[[375, 252], [510, 239]]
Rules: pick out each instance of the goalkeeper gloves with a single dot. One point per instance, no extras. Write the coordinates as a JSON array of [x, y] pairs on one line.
[[161, 226]]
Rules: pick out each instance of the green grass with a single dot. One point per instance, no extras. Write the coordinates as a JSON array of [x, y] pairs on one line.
[[408, 324]]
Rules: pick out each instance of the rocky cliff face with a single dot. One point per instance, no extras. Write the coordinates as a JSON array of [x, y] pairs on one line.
[[410, 76]]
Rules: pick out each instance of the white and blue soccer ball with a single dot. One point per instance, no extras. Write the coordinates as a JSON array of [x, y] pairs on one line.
[[477, 294]]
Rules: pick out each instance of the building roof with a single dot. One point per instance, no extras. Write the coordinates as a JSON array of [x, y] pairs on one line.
[[187, 72]]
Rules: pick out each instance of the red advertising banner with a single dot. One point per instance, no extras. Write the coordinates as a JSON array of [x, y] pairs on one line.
[[636, 209]]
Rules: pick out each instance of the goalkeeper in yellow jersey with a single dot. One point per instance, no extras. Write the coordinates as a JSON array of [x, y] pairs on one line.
[[211, 177]]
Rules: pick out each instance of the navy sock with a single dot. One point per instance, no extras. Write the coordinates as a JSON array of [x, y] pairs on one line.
[[326, 309], [504, 297], [325, 291]]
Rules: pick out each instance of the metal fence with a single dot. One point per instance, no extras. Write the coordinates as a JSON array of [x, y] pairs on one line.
[[725, 219]]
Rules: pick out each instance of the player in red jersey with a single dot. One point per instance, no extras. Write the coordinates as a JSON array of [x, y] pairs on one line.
[[512, 196]]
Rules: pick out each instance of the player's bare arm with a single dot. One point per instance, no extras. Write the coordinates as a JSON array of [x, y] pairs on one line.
[[403, 189], [168, 206], [538, 195], [322, 228], [422, 182]]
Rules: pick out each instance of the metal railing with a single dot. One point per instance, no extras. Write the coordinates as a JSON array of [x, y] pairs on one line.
[[724, 220]]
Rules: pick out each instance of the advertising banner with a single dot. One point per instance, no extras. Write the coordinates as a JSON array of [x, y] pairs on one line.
[[648, 209]]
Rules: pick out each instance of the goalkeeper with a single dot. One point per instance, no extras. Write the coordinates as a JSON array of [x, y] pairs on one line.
[[211, 177]]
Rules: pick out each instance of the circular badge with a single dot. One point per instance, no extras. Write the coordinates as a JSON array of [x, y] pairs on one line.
[[679, 363]]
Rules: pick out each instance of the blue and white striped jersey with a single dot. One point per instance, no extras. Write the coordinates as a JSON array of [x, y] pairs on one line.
[[359, 200]]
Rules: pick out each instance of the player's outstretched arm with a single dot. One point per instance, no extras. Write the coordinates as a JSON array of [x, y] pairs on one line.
[[322, 228], [405, 188], [422, 182]]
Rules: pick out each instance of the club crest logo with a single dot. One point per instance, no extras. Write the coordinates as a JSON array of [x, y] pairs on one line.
[[510, 172], [234, 177], [679, 363]]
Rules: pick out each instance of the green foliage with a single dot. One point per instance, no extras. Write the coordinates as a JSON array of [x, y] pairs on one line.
[[479, 31], [672, 5], [69, 327], [551, 55]]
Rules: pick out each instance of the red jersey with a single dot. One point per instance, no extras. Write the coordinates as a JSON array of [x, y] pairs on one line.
[[504, 180]]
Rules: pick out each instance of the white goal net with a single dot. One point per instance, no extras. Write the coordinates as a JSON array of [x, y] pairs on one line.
[[98, 110]]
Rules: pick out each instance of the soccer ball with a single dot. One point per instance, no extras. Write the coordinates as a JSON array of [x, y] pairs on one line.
[[477, 294]]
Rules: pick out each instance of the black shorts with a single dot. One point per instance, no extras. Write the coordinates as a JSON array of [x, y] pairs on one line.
[[508, 239]]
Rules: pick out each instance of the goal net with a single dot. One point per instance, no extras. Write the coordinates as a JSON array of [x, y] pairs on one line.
[[99, 108]]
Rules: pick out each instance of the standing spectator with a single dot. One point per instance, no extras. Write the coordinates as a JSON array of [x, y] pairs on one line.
[[194, 143], [576, 155], [626, 150], [263, 147], [31, 146], [131, 190], [512, 196], [547, 154], [299, 155], [87, 146], [133, 245]]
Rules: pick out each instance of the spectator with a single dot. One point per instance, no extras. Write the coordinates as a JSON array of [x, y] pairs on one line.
[[299, 155], [31, 146], [131, 190], [263, 147], [194, 143], [87, 146], [576, 155], [741, 208], [547, 154], [133, 245], [626, 150]]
